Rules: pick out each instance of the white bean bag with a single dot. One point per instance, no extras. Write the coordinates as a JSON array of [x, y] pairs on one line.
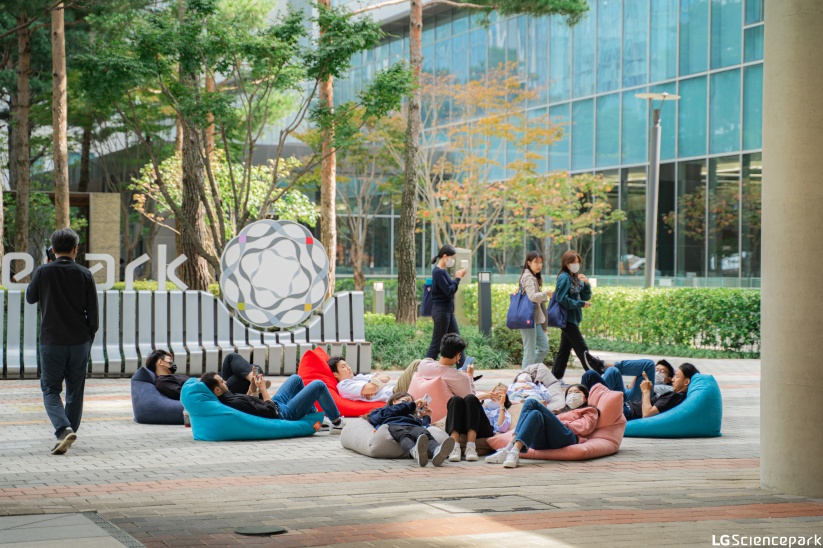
[[360, 436]]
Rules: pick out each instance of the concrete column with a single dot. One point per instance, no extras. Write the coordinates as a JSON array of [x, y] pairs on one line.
[[104, 229], [791, 411], [463, 257]]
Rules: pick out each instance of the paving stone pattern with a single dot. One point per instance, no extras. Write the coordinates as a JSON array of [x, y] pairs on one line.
[[158, 485]]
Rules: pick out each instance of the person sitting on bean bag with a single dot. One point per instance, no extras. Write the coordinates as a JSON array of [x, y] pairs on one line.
[[236, 370], [407, 421], [477, 417], [539, 428], [293, 401]]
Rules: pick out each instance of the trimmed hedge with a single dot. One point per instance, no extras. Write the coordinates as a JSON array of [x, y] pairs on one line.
[[712, 319]]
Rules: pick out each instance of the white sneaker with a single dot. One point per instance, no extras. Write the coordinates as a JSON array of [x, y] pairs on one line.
[[420, 451], [512, 459], [455, 455], [337, 428], [498, 458], [442, 452], [471, 453]]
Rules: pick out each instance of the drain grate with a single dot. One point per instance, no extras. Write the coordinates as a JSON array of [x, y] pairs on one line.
[[482, 504], [115, 532]]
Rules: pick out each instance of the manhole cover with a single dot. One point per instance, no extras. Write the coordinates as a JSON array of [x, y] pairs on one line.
[[486, 503]]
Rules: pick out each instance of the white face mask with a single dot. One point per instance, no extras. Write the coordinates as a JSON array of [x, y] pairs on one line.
[[449, 263], [659, 378], [574, 268], [574, 400]]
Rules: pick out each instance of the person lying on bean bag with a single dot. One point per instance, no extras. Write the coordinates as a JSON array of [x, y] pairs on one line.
[[292, 402], [237, 372]]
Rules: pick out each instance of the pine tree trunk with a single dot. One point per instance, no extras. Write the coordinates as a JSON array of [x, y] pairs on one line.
[[21, 133], [406, 260], [59, 119], [85, 159], [328, 183]]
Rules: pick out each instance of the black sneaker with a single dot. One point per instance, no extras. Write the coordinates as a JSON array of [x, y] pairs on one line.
[[594, 363], [64, 441]]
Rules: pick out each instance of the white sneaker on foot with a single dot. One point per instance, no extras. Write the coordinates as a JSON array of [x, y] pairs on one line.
[[471, 453], [498, 457], [456, 454], [420, 451], [442, 452], [512, 459]]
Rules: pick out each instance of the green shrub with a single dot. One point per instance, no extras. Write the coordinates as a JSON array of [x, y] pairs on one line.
[[710, 319]]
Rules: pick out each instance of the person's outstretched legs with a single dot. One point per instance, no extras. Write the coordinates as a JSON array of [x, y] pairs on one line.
[[635, 368], [297, 401]]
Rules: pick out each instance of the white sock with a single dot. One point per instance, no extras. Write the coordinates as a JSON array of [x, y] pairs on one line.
[[471, 445], [510, 446]]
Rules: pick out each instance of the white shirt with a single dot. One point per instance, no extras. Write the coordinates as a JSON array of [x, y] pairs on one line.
[[352, 389]]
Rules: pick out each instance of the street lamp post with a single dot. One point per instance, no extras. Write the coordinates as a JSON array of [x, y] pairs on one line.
[[653, 184]]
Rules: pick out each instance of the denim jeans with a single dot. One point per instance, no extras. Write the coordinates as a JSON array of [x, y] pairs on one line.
[[538, 428], [613, 377], [444, 322], [296, 401], [535, 345], [58, 363]]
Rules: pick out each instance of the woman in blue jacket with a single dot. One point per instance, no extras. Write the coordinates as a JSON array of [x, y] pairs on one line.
[[407, 420], [573, 292], [443, 289]]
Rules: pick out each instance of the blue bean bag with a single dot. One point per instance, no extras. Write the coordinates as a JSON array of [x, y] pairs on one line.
[[149, 405], [699, 416], [213, 421]]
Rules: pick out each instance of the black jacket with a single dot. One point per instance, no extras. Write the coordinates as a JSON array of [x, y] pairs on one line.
[[68, 302], [252, 405], [400, 414]]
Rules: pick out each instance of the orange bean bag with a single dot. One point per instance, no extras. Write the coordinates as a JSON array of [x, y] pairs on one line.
[[314, 366], [605, 440]]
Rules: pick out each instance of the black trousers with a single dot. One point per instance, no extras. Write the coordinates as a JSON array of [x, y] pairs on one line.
[[571, 338], [466, 414], [235, 370], [407, 435], [444, 322]]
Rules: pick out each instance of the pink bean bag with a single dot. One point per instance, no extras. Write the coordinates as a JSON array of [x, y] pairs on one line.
[[605, 440], [437, 389]]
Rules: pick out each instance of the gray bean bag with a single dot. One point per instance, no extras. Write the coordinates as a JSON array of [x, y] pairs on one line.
[[149, 405], [360, 436]]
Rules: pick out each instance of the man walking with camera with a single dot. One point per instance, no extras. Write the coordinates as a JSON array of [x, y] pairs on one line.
[[69, 320]]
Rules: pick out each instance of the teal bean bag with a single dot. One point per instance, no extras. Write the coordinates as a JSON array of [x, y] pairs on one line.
[[213, 421], [699, 416]]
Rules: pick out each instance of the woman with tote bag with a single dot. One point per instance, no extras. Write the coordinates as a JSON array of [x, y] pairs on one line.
[[535, 340]]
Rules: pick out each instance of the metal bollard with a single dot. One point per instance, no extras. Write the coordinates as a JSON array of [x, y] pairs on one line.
[[379, 298], [484, 302]]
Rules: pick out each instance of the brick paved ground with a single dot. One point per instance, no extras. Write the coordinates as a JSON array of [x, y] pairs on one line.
[[158, 485]]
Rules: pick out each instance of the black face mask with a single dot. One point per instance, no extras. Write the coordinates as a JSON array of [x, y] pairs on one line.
[[172, 369]]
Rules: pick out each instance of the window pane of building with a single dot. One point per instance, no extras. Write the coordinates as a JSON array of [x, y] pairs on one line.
[[460, 57], [753, 107], [727, 26], [428, 30], [608, 130], [443, 27], [460, 23], [583, 135], [635, 42], [583, 37], [633, 229], [516, 46], [559, 152], [635, 128], [754, 11], [751, 209], [609, 30], [691, 118], [694, 36], [724, 217], [691, 219], [497, 44], [666, 199], [725, 112], [754, 44], [606, 243], [538, 72], [477, 40], [560, 59], [663, 61], [668, 121], [537, 117]]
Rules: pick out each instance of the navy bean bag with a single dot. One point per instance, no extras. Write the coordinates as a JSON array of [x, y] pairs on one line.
[[699, 416], [213, 421], [149, 405]]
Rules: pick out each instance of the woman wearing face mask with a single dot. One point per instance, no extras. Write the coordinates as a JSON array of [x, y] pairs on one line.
[[573, 292], [538, 428], [535, 341], [443, 289]]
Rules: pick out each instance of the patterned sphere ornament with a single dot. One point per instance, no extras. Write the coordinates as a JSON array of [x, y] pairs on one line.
[[274, 273]]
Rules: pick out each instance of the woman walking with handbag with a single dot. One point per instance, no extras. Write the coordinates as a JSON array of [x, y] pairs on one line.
[[443, 289], [535, 341], [572, 292]]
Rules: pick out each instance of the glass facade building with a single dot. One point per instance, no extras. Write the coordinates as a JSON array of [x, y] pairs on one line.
[[710, 52]]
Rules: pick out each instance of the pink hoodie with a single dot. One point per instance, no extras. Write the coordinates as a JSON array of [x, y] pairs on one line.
[[582, 421]]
